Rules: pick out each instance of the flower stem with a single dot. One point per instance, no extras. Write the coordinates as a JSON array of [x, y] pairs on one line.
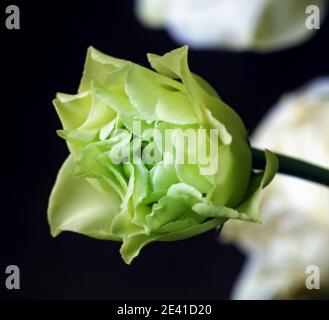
[[293, 167]]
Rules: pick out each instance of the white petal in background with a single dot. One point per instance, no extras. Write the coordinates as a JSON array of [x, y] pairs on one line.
[[295, 228], [259, 25]]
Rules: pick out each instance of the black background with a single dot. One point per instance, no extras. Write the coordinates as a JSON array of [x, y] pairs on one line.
[[47, 56]]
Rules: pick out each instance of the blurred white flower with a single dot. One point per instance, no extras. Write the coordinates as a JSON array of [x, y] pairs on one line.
[[295, 228], [260, 25]]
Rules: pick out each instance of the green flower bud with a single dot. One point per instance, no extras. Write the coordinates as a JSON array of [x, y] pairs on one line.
[[155, 155]]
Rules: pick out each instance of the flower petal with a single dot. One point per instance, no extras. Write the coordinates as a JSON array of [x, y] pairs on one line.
[[97, 68], [258, 182], [190, 174], [249, 209], [175, 107], [163, 176], [75, 205], [72, 109]]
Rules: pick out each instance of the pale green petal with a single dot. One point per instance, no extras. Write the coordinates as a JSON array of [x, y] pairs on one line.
[[233, 175], [226, 116], [258, 182], [89, 165], [186, 191], [75, 205], [129, 168], [118, 102], [133, 245], [174, 64], [143, 93], [178, 225], [206, 86], [72, 110], [99, 115], [193, 230], [97, 68], [78, 139], [163, 176], [249, 209], [212, 211], [149, 91], [168, 209], [142, 182], [107, 129], [85, 130], [116, 80], [174, 107], [174, 206], [170, 64], [190, 174], [123, 226], [117, 171], [154, 196], [234, 160], [141, 189]]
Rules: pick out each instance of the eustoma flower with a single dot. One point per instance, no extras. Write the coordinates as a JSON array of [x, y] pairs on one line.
[[294, 211], [257, 25], [155, 155]]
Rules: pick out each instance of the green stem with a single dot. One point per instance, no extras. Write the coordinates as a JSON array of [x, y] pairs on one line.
[[293, 167]]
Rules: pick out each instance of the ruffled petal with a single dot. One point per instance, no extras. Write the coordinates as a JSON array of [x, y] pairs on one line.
[[75, 205], [249, 209]]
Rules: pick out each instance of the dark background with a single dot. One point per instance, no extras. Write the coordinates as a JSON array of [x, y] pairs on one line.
[[47, 56]]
